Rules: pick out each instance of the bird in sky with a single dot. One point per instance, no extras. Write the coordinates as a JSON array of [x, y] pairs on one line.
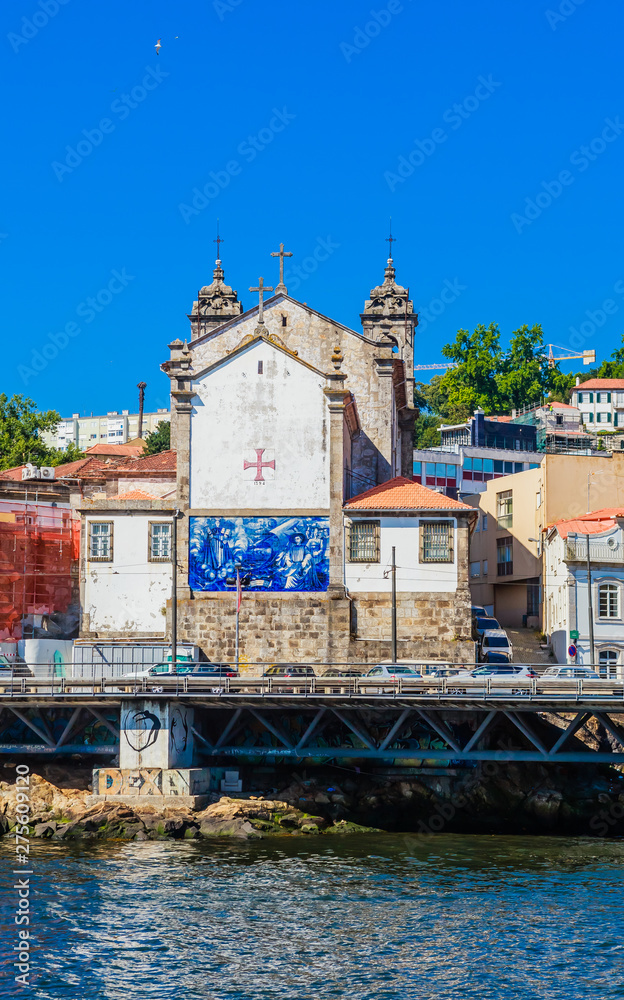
[[158, 47]]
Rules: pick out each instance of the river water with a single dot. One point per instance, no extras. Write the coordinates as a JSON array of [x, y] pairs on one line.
[[379, 917]]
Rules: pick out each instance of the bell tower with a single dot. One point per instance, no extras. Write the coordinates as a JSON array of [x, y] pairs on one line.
[[216, 303]]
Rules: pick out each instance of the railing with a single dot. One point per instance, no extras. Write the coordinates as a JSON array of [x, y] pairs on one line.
[[242, 687], [599, 551]]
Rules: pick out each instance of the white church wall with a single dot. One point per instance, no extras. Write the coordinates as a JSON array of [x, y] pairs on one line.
[[260, 435], [128, 594], [412, 575]]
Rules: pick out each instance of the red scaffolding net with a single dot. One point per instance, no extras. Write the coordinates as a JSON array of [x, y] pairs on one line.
[[39, 553]]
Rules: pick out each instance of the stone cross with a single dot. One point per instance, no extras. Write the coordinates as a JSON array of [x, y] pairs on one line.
[[261, 289], [281, 254], [390, 239]]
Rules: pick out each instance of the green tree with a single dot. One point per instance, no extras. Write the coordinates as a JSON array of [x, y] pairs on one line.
[[426, 430], [473, 382], [158, 440], [21, 426], [524, 376]]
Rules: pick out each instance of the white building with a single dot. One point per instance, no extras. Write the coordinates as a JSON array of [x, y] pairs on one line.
[[566, 604], [111, 428], [601, 402], [125, 574]]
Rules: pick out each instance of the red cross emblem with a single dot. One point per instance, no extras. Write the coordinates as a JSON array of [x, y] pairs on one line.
[[259, 465]]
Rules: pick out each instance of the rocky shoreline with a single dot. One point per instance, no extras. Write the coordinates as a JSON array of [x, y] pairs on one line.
[[489, 798]]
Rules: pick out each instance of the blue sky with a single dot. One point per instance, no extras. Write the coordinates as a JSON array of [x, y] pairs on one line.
[[303, 117]]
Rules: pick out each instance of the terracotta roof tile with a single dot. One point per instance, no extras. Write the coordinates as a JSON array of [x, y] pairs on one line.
[[600, 383], [403, 494], [134, 495], [120, 450], [164, 461], [14, 474], [577, 526]]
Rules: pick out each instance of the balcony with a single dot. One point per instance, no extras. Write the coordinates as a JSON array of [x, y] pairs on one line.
[[600, 550]]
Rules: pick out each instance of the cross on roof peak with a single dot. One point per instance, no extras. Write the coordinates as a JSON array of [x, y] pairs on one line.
[[281, 253], [390, 239], [218, 241], [261, 289]]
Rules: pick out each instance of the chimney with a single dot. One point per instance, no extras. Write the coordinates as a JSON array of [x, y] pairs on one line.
[[578, 381]]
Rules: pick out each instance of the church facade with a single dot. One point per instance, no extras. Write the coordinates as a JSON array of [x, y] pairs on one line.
[[282, 417]]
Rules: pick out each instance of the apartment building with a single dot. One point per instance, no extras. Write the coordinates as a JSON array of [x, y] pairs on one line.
[[568, 586], [110, 428], [506, 551], [601, 402]]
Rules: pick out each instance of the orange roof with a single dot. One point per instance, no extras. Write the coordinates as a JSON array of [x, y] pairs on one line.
[[164, 461], [556, 405], [121, 450], [15, 473], [578, 526], [600, 383], [134, 495], [502, 418], [403, 494]]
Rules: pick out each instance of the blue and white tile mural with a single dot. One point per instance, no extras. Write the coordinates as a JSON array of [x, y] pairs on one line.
[[277, 553]]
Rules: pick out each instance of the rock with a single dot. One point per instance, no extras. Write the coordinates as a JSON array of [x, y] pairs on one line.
[[44, 829], [309, 828], [321, 799]]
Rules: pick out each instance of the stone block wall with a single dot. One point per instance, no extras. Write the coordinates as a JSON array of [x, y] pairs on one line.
[[319, 628]]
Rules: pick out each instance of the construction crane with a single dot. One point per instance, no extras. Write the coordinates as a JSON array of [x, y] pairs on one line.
[[588, 358]]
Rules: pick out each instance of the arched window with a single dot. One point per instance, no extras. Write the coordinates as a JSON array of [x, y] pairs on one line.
[[607, 662], [608, 600]]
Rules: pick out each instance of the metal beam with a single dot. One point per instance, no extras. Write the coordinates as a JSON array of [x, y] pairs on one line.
[[313, 725], [31, 725], [611, 727], [443, 732], [202, 738], [395, 729], [101, 718], [229, 727], [69, 726], [478, 733], [356, 732], [577, 722], [272, 729], [522, 726]]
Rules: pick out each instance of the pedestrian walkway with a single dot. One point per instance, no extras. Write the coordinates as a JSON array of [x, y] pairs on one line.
[[526, 646]]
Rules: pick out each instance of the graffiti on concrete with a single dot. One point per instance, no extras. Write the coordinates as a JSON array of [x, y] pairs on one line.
[[179, 729], [141, 730]]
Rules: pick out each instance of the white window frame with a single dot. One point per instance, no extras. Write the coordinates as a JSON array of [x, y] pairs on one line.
[[151, 538], [614, 586], [107, 554]]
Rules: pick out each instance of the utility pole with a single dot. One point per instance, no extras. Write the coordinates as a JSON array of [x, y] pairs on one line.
[[394, 608], [174, 586], [590, 608]]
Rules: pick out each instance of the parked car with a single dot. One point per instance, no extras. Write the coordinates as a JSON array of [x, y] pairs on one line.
[[495, 640], [571, 671], [164, 671], [481, 625], [491, 656], [288, 670], [392, 671], [11, 673], [342, 672], [478, 612], [509, 674]]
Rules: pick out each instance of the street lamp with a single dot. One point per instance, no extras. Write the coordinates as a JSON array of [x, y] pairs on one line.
[[238, 582]]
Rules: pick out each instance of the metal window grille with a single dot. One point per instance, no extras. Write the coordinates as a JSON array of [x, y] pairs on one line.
[[436, 541], [364, 541], [504, 509], [607, 662], [101, 541], [159, 541], [504, 556], [608, 599]]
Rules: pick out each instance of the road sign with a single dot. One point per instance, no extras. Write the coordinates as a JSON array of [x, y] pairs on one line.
[[573, 633], [571, 649]]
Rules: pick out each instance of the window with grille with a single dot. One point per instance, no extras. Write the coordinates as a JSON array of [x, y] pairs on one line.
[[159, 541], [364, 541], [609, 600], [436, 541], [504, 509], [607, 662], [504, 556], [101, 541]]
